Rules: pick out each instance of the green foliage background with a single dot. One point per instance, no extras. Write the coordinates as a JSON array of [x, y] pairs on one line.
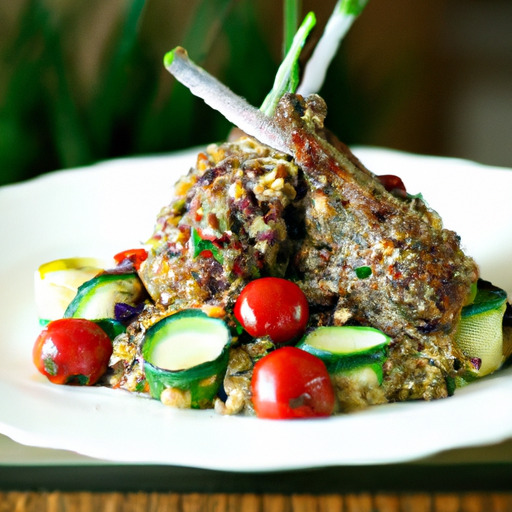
[[49, 120]]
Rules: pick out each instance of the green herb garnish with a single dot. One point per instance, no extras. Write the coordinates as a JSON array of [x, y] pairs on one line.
[[363, 272], [199, 245]]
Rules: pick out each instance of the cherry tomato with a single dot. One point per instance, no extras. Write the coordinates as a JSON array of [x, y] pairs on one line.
[[273, 307], [291, 383], [72, 351], [136, 256], [393, 184]]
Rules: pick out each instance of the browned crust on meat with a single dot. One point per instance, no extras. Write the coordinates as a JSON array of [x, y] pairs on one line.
[[420, 277]]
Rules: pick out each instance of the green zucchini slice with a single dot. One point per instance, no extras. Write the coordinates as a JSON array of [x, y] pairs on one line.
[[347, 348], [480, 331], [186, 353], [56, 284], [96, 298], [486, 298]]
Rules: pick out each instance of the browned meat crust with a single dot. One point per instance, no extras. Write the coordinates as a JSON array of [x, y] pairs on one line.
[[420, 278]]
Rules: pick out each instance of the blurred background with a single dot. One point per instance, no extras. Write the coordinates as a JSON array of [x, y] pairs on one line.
[[83, 80]]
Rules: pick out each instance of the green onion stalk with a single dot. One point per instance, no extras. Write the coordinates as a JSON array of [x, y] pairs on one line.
[[291, 10], [342, 18], [259, 122], [287, 77]]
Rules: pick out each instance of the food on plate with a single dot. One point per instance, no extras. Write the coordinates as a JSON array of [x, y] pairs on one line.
[[285, 279], [386, 301], [97, 298], [185, 358], [72, 351], [480, 332], [56, 283], [283, 318], [291, 383], [347, 349]]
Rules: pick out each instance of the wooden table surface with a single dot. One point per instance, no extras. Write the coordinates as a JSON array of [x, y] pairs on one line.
[[470, 480], [195, 502]]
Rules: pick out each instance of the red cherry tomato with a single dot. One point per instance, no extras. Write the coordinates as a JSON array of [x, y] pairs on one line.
[[393, 184], [291, 383], [72, 351], [273, 307], [136, 256]]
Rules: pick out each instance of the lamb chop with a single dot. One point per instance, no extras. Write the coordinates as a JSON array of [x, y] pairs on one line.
[[417, 277], [420, 278]]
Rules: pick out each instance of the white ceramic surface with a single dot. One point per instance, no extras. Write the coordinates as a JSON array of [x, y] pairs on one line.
[[105, 208]]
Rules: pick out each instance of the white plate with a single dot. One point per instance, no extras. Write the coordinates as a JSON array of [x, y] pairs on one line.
[[99, 210]]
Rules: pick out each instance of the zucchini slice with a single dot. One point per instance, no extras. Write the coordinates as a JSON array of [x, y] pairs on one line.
[[56, 283], [347, 348], [480, 331], [486, 298], [186, 353], [96, 298]]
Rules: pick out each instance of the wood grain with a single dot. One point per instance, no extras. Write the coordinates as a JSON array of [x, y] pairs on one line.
[[195, 502]]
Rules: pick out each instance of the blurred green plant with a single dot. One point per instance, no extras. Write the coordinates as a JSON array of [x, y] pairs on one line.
[[46, 124], [134, 106]]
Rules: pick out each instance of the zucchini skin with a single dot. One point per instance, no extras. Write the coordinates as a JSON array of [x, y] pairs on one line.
[[338, 363], [202, 381], [118, 282], [488, 297]]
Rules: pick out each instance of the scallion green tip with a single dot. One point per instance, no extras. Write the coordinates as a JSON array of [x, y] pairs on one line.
[[168, 58], [352, 7]]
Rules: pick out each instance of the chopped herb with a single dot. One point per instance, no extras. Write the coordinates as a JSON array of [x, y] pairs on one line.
[[238, 327], [200, 245], [416, 196], [363, 272]]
